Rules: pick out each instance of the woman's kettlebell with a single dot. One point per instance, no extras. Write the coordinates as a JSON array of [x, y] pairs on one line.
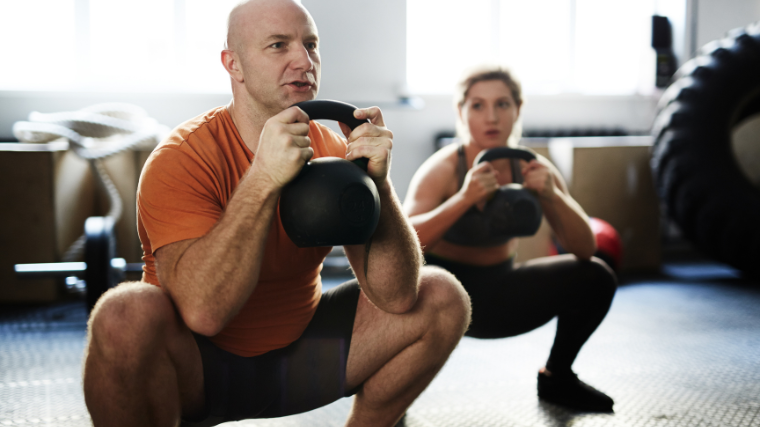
[[332, 201], [513, 211]]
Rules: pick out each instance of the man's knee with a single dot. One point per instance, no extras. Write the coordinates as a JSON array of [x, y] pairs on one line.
[[129, 314], [446, 299]]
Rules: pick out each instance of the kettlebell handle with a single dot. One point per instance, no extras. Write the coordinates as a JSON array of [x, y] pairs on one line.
[[505, 152], [334, 110], [331, 110]]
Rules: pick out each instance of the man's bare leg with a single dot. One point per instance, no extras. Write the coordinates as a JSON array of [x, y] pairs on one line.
[[142, 366], [396, 356]]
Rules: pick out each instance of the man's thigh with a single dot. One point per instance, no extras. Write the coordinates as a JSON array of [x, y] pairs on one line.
[[136, 326]]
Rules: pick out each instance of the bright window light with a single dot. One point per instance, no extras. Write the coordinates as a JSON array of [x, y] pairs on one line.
[[38, 50], [613, 39], [594, 47], [442, 36], [129, 48], [535, 42], [119, 46], [206, 31]]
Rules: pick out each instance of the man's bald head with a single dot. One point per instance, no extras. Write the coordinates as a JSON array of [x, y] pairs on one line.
[[272, 55], [247, 12]]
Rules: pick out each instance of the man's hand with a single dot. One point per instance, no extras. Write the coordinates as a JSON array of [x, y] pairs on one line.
[[284, 146], [371, 140]]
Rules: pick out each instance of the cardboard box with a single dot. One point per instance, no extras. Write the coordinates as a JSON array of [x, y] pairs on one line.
[[611, 178], [27, 214], [48, 194]]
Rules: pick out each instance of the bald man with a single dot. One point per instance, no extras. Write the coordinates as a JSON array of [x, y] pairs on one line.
[[229, 321]]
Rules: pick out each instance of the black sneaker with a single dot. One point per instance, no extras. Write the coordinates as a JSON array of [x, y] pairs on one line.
[[567, 390]]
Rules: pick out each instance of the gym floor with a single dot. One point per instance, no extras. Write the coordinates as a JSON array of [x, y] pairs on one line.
[[681, 348]]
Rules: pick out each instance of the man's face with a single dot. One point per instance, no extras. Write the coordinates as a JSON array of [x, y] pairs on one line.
[[279, 53]]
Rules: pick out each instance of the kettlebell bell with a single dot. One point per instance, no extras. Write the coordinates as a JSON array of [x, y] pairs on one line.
[[513, 211], [332, 201]]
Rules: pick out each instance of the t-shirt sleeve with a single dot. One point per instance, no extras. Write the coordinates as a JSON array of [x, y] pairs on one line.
[[176, 198]]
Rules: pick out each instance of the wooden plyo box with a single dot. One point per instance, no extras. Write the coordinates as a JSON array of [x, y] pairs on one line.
[[47, 195], [27, 214]]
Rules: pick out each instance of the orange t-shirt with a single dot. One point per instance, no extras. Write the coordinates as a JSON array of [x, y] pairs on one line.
[[184, 189]]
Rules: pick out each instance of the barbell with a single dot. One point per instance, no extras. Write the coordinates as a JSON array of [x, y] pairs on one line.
[[100, 271]]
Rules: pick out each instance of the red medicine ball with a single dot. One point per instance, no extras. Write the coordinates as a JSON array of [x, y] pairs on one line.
[[609, 247], [608, 243]]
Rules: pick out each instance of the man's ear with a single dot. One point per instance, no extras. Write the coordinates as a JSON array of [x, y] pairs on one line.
[[231, 63]]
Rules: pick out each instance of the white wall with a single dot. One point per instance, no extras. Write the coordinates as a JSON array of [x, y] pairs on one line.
[[414, 130], [363, 48], [364, 62], [715, 17]]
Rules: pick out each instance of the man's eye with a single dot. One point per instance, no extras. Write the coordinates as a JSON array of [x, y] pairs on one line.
[[311, 46], [504, 104], [277, 45], [476, 106]]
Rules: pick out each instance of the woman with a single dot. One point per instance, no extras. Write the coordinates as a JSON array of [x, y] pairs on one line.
[[508, 299]]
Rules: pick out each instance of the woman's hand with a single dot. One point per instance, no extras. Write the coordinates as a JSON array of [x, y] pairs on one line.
[[480, 182], [540, 179]]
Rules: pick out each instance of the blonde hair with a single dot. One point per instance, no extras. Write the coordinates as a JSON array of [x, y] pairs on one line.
[[484, 73]]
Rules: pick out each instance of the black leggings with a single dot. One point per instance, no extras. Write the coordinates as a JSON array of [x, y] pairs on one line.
[[510, 300]]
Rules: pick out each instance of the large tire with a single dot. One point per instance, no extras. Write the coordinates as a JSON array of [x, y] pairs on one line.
[[695, 169]]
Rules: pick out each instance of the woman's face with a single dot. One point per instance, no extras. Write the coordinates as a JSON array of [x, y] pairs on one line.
[[489, 112]]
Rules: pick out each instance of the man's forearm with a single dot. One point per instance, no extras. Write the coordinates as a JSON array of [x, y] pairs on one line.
[[394, 258], [216, 274]]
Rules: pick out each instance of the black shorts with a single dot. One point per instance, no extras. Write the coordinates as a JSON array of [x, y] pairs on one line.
[[305, 375]]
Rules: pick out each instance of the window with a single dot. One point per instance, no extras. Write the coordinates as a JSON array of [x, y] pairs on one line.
[[106, 45], [595, 47]]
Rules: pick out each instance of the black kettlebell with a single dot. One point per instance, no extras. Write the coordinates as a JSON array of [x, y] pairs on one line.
[[513, 211], [332, 201]]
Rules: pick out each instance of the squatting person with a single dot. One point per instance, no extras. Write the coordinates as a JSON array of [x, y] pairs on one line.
[[229, 321], [510, 299]]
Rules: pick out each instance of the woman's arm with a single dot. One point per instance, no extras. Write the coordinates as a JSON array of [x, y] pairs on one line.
[[430, 211], [566, 217]]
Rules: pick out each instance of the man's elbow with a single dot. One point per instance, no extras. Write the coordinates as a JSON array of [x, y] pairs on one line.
[[403, 302], [400, 306], [202, 321]]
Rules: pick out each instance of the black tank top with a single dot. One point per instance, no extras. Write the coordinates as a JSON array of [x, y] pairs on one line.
[[468, 230]]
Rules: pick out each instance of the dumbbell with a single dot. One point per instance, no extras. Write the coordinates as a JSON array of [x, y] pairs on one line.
[[100, 270]]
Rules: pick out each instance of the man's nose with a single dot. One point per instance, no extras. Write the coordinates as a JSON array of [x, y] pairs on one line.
[[302, 60]]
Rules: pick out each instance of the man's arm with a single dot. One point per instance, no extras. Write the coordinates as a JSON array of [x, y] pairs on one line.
[[388, 266], [210, 278]]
